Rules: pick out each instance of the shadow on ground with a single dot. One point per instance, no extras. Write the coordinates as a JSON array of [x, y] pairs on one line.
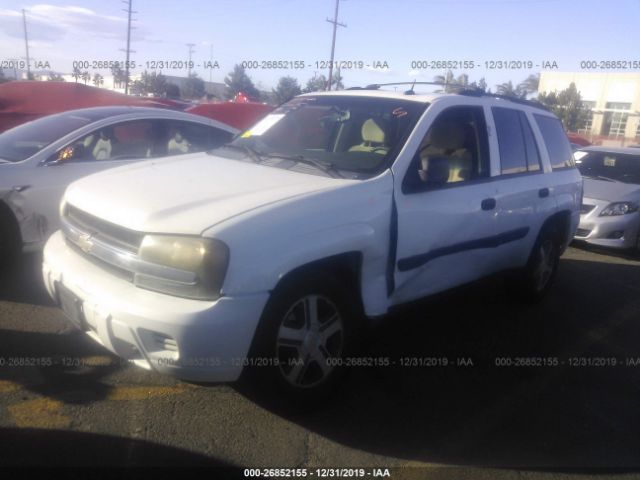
[[21, 281], [580, 410], [56, 448]]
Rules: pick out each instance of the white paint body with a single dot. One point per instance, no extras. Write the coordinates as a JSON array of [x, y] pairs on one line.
[[275, 221]]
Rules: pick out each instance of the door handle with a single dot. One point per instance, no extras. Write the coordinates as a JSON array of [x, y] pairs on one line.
[[543, 192], [488, 204]]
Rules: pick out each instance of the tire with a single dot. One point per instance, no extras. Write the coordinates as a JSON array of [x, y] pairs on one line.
[[533, 282], [308, 328], [9, 239]]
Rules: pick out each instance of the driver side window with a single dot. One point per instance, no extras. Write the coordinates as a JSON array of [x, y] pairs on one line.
[[454, 150], [113, 142]]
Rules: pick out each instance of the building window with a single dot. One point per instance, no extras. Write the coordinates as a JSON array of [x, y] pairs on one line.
[[589, 122], [615, 118]]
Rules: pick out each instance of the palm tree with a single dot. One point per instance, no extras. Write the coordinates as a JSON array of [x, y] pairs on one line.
[[508, 89], [530, 84], [446, 79], [76, 74], [86, 76]]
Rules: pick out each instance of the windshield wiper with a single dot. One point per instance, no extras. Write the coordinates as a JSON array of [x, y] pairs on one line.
[[255, 155], [326, 167]]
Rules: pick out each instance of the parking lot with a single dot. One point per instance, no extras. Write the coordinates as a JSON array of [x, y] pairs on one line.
[[541, 389]]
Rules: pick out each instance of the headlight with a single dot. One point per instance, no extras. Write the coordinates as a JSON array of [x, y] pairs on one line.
[[191, 267], [619, 208]]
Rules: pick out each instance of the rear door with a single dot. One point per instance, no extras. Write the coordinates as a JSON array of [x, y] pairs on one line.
[[524, 197]]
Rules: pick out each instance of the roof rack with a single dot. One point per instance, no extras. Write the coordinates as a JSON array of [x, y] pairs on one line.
[[523, 101], [376, 86], [464, 90]]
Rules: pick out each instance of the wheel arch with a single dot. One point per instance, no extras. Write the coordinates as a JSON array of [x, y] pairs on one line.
[[345, 267], [560, 224]]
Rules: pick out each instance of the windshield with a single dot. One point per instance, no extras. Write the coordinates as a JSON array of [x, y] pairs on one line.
[[610, 166], [356, 136], [26, 140]]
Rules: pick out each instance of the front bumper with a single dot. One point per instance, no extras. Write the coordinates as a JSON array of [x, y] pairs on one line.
[[189, 339], [620, 231]]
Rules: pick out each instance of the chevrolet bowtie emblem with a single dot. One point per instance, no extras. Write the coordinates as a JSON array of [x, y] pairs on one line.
[[85, 243]]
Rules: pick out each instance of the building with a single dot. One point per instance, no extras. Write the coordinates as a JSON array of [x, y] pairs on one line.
[[614, 99]]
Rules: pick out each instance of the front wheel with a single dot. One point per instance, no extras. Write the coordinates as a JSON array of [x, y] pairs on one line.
[[307, 331]]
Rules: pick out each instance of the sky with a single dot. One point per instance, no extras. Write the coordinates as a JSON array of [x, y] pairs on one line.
[[397, 32]]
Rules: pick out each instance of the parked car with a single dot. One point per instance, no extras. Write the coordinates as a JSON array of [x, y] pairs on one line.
[[609, 214], [576, 139], [39, 159], [334, 208]]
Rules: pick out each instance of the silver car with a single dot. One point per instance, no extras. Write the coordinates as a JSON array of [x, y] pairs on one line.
[[40, 158], [610, 215]]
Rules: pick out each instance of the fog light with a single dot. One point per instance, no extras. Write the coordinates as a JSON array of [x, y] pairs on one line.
[[616, 234]]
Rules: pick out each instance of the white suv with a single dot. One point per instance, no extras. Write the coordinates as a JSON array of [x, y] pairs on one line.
[[271, 251]]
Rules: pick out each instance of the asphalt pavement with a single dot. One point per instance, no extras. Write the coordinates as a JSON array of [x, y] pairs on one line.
[[478, 386]]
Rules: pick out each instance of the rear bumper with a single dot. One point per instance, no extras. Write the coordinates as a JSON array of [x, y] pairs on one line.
[[189, 339]]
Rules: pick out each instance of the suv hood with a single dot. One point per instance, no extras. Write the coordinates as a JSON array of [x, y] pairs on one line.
[[610, 191], [187, 194]]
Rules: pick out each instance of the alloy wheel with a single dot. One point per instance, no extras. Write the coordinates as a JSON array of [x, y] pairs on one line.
[[310, 335]]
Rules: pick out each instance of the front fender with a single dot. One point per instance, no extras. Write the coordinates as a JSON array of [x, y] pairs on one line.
[[269, 242]]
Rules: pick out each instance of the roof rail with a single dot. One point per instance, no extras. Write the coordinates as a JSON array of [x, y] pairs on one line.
[[376, 86], [464, 90], [523, 101]]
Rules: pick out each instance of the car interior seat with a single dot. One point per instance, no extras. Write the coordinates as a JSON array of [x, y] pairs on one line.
[[102, 148], [177, 144], [448, 139], [373, 138]]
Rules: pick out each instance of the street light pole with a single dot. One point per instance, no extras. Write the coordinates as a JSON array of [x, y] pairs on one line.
[[26, 42], [190, 45]]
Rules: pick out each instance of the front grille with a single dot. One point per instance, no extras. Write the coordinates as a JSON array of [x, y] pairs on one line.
[[119, 237], [584, 208], [117, 272], [582, 232]]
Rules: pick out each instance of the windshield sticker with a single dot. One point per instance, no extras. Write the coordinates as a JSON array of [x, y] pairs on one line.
[[399, 112], [263, 125], [609, 161]]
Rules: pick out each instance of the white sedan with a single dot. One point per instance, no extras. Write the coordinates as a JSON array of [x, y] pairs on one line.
[[40, 158]]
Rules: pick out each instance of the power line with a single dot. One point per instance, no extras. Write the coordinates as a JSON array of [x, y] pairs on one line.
[[333, 42]]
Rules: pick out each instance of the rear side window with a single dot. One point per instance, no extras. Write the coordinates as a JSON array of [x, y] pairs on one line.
[[518, 150], [556, 141]]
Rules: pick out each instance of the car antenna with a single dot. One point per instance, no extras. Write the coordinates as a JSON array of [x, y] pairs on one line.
[[410, 91]]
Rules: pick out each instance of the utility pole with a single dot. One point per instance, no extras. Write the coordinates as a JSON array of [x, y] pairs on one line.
[[190, 45], [333, 42], [26, 43], [128, 50]]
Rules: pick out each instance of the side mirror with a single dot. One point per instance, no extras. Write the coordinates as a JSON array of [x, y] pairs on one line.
[[434, 170]]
